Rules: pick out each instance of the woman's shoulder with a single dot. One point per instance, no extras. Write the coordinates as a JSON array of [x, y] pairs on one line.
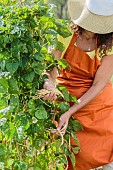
[[65, 41]]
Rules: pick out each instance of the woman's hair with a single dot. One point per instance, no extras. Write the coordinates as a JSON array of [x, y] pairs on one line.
[[104, 41]]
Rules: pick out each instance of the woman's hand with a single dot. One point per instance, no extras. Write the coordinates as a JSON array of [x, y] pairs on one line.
[[73, 27], [63, 122], [49, 85]]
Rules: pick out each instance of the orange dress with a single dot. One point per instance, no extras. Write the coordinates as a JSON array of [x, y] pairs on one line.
[[96, 138]]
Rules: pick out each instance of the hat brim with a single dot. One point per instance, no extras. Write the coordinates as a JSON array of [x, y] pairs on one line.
[[88, 20], [75, 8]]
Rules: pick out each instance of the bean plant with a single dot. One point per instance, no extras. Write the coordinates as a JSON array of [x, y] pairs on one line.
[[28, 136]]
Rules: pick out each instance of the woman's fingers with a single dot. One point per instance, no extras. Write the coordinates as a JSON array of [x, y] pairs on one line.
[[62, 127], [73, 26], [49, 85], [51, 96], [46, 97], [63, 123], [62, 130]]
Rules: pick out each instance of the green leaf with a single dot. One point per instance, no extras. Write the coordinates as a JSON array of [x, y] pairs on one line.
[[51, 31], [1, 56], [33, 23], [73, 99], [75, 149], [64, 106], [65, 92], [2, 150], [36, 167], [39, 69], [31, 104], [23, 166], [12, 67], [63, 159], [73, 134], [3, 85], [13, 87], [29, 77], [14, 101], [2, 121], [35, 64], [3, 103], [72, 157], [44, 50], [59, 46], [41, 113], [56, 146], [2, 63], [63, 63], [77, 125], [38, 56], [10, 162], [64, 32]]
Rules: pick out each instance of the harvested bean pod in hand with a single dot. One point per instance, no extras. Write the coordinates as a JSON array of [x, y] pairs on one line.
[[41, 93]]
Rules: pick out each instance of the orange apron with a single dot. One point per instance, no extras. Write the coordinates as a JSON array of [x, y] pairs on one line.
[[96, 139]]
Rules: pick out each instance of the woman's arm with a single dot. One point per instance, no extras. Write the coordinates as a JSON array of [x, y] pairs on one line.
[[49, 84], [52, 75], [102, 77]]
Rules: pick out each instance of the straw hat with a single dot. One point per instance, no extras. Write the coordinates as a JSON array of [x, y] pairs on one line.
[[93, 15]]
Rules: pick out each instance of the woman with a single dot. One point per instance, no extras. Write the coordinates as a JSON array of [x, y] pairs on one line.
[[90, 54]]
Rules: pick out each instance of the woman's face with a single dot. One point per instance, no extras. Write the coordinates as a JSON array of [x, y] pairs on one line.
[[85, 33]]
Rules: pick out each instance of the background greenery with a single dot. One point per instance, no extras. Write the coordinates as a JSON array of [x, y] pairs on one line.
[[61, 8]]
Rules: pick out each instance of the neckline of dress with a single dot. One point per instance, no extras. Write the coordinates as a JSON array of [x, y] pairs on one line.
[[74, 38], [83, 50]]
